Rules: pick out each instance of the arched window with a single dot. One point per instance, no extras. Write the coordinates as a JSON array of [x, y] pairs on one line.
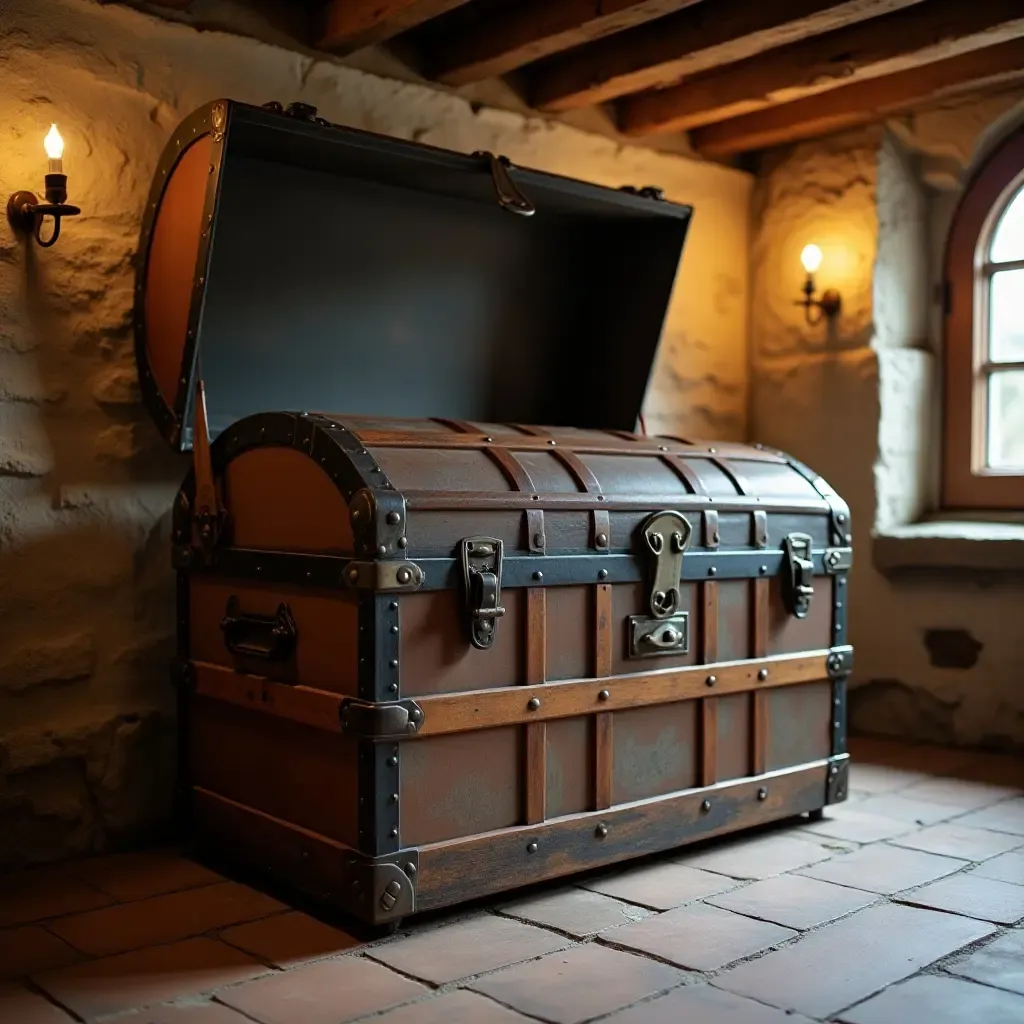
[[983, 458]]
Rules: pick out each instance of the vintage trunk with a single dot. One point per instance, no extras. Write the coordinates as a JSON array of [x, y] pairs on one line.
[[426, 652]]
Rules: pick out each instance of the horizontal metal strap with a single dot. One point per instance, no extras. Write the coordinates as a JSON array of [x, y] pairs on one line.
[[442, 714], [554, 570], [471, 501]]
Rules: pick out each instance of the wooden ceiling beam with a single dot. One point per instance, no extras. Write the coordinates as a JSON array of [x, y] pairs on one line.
[[694, 40], [348, 25], [851, 106], [534, 29], [907, 39]]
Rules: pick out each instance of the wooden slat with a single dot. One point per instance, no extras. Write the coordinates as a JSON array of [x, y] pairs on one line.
[[760, 726], [863, 102], [348, 25], [536, 732], [706, 36], [906, 39], [709, 741], [604, 754], [709, 705], [532, 29], [487, 709], [762, 611], [759, 717], [709, 623]]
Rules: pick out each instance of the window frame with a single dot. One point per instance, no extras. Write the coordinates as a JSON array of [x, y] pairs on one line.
[[966, 482]]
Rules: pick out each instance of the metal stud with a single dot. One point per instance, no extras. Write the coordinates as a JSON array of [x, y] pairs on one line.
[[710, 681], [533, 703], [602, 539], [712, 571], [762, 794], [763, 569], [394, 798], [394, 519], [602, 574], [403, 575], [410, 869], [552, 443], [393, 687], [705, 806], [403, 542], [538, 540], [393, 833], [393, 606], [382, 550], [394, 663], [763, 674], [538, 575], [531, 847], [601, 831], [392, 761], [394, 629], [604, 695]]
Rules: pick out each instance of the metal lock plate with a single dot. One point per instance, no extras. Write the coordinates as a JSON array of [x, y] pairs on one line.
[[799, 570], [666, 536], [481, 559], [649, 638]]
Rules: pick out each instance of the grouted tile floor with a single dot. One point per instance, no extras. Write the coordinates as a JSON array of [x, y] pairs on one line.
[[904, 904]]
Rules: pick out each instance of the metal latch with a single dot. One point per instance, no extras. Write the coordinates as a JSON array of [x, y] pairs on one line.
[[481, 574], [649, 637], [509, 196], [799, 573], [380, 721], [666, 535]]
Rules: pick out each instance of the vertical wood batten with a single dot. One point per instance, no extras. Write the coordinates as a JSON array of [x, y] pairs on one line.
[[709, 705], [759, 715], [604, 765], [536, 732]]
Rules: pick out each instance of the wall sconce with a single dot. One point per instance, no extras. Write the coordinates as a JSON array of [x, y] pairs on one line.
[[24, 211], [830, 303]]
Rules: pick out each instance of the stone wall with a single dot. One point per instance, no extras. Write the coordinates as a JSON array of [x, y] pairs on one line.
[[937, 655], [86, 737]]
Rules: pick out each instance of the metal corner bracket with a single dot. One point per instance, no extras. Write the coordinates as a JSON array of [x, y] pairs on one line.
[[384, 575], [383, 889], [839, 662], [838, 785], [838, 560], [380, 721]]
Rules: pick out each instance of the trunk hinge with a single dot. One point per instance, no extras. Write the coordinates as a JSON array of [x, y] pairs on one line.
[[481, 559], [799, 573], [209, 515], [666, 535], [509, 196]]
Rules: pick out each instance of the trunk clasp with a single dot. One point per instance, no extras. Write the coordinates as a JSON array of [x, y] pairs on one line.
[[666, 535], [481, 559]]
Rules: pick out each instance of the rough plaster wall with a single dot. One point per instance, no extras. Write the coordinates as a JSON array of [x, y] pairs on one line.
[[86, 739], [937, 660]]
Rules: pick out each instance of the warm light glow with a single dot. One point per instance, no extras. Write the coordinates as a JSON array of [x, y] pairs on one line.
[[53, 143], [811, 258]]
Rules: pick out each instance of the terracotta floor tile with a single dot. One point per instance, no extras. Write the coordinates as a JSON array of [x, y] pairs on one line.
[[145, 977], [577, 912], [1005, 817], [1008, 867], [20, 1006], [459, 1007], [136, 876], [32, 948], [953, 840], [165, 918], [203, 1013], [983, 898], [844, 963], [703, 1004], [883, 868], [289, 939], [481, 943], [761, 857], [661, 886], [845, 821], [329, 992], [34, 895], [793, 901], [575, 985], [700, 937], [1000, 963], [959, 792], [938, 1000], [902, 808]]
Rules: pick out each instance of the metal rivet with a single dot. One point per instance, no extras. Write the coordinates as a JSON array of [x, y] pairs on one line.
[[762, 794], [382, 550], [602, 574], [403, 542], [394, 798], [839, 606], [393, 687], [604, 695], [601, 831], [602, 539], [837, 702], [403, 575], [841, 582], [533, 703], [600, 497], [538, 575], [393, 606], [538, 540], [763, 674], [393, 833], [848, 538], [710, 681], [712, 450], [552, 443], [392, 761], [353, 574], [840, 793], [488, 439], [833, 770], [394, 629], [706, 806], [840, 518], [662, 448], [712, 571], [394, 663], [531, 847], [715, 539], [835, 725], [394, 519], [535, 497], [762, 569], [410, 869]]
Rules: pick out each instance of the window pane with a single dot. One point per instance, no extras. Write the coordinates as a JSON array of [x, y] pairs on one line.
[[1006, 316], [1008, 240], [1006, 420]]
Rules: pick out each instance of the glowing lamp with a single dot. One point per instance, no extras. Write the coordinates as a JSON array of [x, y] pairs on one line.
[[24, 211], [830, 303]]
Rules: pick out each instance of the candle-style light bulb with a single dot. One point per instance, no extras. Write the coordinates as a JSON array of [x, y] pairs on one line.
[[811, 258], [54, 146]]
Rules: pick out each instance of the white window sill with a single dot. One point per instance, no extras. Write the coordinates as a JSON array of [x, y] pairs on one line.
[[948, 544]]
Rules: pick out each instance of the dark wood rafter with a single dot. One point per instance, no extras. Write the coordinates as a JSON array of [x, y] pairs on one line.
[[706, 36], [348, 25], [534, 29], [906, 39], [862, 103]]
